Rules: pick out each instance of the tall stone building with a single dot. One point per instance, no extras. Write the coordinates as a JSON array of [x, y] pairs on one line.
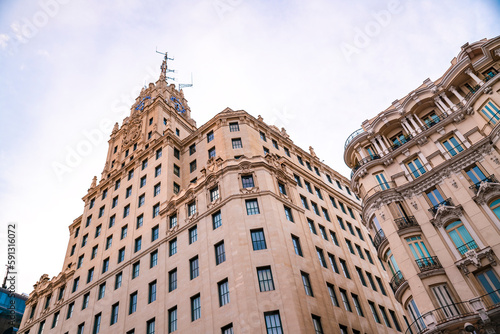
[[425, 168], [225, 228]]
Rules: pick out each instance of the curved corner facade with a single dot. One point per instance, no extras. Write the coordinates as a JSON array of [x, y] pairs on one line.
[[427, 170]]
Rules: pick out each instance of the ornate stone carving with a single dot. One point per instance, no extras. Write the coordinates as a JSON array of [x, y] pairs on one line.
[[172, 230], [422, 141], [132, 131], [94, 182], [249, 190], [284, 134], [444, 213], [473, 257], [487, 190], [311, 151], [115, 128]]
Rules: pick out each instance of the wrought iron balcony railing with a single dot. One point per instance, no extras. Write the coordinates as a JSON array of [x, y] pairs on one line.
[[405, 222], [396, 281], [489, 179], [428, 263], [365, 161], [446, 202], [379, 238], [467, 247], [401, 141]]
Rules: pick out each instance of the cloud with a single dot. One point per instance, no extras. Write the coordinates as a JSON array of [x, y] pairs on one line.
[[4, 38]]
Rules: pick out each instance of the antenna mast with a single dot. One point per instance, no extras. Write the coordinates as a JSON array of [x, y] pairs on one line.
[[164, 66]]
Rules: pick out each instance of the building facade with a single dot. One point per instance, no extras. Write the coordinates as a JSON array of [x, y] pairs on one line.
[[226, 228], [425, 169]]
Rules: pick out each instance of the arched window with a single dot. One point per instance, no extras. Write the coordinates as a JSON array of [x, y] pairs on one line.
[[460, 237], [420, 252], [495, 207]]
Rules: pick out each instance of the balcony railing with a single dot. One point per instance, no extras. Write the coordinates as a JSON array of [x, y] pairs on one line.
[[446, 202], [396, 281], [352, 136], [489, 179], [405, 222], [467, 247], [491, 300], [364, 161], [378, 188], [379, 238], [430, 124], [428, 263], [400, 142]]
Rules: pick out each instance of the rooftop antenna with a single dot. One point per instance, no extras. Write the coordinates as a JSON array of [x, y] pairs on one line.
[[164, 66], [4, 284], [187, 85]]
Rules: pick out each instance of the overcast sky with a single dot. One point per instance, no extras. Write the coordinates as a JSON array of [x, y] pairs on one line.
[[69, 68]]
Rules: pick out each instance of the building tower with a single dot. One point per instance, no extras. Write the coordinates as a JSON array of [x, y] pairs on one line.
[[225, 228], [425, 168]]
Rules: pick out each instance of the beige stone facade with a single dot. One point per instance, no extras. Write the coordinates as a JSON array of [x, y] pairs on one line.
[[225, 228], [427, 170]]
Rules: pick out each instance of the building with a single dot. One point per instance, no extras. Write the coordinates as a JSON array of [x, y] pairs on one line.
[[12, 307], [225, 228], [425, 168]]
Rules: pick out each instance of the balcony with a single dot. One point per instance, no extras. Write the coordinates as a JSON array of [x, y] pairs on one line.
[[446, 202], [405, 222], [490, 179], [471, 245], [352, 136], [434, 121], [364, 161], [428, 263], [379, 238], [379, 188], [396, 281]]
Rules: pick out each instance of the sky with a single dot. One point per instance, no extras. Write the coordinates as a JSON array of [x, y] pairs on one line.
[[70, 69]]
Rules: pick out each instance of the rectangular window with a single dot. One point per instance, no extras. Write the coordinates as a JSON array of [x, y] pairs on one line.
[[210, 136], [85, 302], [193, 234], [135, 269], [139, 221], [121, 254], [384, 316], [299, 159], [177, 153], [137, 244], [491, 112], [349, 245], [220, 253], [214, 194], [273, 322], [123, 232], [361, 276], [236, 142], [144, 164], [318, 329], [297, 179], [114, 314], [172, 221], [316, 170], [318, 193], [192, 149], [381, 285], [89, 220], [266, 150], [333, 202], [345, 270], [360, 252], [333, 295], [194, 268], [315, 208], [102, 291], [252, 207], [42, 325], [258, 239], [287, 151], [234, 127], [223, 287], [112, 220], [308, 186], [325, 213], [71, 308], [416, 168], [172, 280], [157, 189], [307, 284], [152, 292], [153, 259], [304, 202], [359, 233], [341, 222], [80, 328], [130, 174], [333, 263], [263, 136], [322, 230], [132, 303], [143, 181], [452, 146], [126, 211], [321, 257], [288, 213], [345, 300], [247, 181], [281, 188], [150, 327], [75, 284], [308, 164], [115, 202], [265, 278], [97, 323], [228, 329], [172, 319], [370, 279], [342, 207], [395, 320], [92, 202], [312, 228], [382, 181], [374, 311], [191, 208], [334, 238], [216, 220], [296, 245], [118, 280], [157, 170], [357, 305], [192, 166], [172, 247], [158, 153], [156, 210], [90, 275], [195, 307]]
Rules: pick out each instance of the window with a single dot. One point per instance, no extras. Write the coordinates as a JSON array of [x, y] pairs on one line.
[[130, 174], [192, 166], [104, 193], [211, 153], [333, 263], [177, 170], [288, 213], [247, 181], [80, 328], [193, 234], [90, 275], [281, 188], [345, 270], [210, 136], [97, 323], [299, 158], [308, 164], [263, 136], [115, 202], [214, 194], [333, 296], [349, 245], [172, 247], [304, 202], [132, 303], [296, 245], [84, 240], [71, 308], [273, 322], [121, 255], [194, 268], [297, 179], [374, 311], [80, 262], [357, 305], [126, 211], [359, 233], [334, 238], [114, 314], [102, 291], [360, 252], [491, 112], [157, 170], [143, 181], [157, 189], [228, 329], [380, 285], [172, 280], [275, 144], [312, 228], [118, 280], [152, 292], [128, 192], [361, 276], [158, 153], [416, 168], [61, 292], [124, 232], [384, 316], [333, 202], [307, 284], [172, 319], [287, 151], [73, 248], [252, 207], [216, 220], [139, 221], [321, 257], [101, 211], [234, 127], [351, 213], [135, 269], [490, 283], [177, 188], [266, 150], [195, 307], [105, 265], [315, 208], [265, 278], [236, 142], [220, 253], [150, 327], [47, 301], [177, 153], [89, 220], [75, 284], [153, 259], [177, 132], [316, 170], [137, 244], [452, 146], [342, 207], [382, 181], [144, 164], [460, 237], [395, 320], [325, 213], [308, 186], [341, 222], [258, 239], [191, 208], [223, 287], [156, 210], [318, 193], [318, 329], [91, 203], [475, 175], [173, 221], [42, 325], [345, 300], [192, 149]]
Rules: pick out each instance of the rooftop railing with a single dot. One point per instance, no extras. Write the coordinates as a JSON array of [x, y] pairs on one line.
[[352, 136]]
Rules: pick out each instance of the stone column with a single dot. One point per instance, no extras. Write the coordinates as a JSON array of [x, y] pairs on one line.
[[412, 121], [451, 104], [382, 143], [377, 148], [361, 153], [457, 94], [444, 108], [406, 126], [474, 76]]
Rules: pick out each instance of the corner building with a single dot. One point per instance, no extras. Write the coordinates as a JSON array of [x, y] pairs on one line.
[[427, 170], [226, 228]]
